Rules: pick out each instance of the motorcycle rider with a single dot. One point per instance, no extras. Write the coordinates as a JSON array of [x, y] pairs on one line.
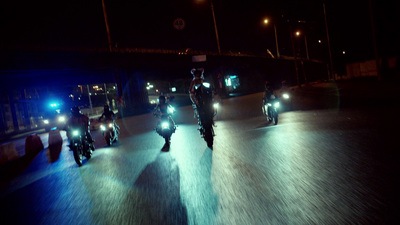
[[162, 109], [109, 115], [78, 120], [268, 94], [198, 78]]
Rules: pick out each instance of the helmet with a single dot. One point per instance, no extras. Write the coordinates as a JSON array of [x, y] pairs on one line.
[[267, 85], [106, 107], [197, 72], [75, 111], [161, 98]]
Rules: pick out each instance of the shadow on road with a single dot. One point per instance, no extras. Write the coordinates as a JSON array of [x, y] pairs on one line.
[[13, 168], [160, 201]]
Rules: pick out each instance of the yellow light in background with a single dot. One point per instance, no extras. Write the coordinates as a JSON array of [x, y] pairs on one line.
[[266, 21], [297, 33]]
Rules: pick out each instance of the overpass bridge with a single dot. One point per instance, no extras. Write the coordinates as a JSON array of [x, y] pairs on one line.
[[130, 70]]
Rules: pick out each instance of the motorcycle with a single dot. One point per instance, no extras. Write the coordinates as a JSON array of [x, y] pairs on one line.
[[80, 146], [166, 126], [110, 132], [271, 109], [205, 111]]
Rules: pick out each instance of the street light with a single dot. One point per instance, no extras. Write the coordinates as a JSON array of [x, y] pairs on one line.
[[298, 33], [266, 21]]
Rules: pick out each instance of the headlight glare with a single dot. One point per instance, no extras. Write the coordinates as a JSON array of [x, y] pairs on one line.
[[61, 119], [165, 125], [285, 96], [75, 133]]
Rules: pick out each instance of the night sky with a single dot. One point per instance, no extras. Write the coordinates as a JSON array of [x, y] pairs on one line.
[[149, 24]]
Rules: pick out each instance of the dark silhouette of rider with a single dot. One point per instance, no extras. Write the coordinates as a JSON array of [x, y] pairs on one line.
[[79, 121], [268, 92], [109, 115], [162, 108]]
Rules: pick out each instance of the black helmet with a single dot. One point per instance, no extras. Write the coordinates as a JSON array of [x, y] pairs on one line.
[[106, 107], [75, 110], [161, 98]]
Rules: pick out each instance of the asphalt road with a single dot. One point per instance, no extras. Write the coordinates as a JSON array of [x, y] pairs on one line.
[[326, 165]]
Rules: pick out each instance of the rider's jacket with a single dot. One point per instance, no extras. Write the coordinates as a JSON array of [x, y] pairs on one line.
[[193, 83], [80, 121], [161, 109], [109, 115]]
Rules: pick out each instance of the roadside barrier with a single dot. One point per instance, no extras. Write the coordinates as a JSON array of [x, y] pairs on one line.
[[55, 145], [33, 144], [8, 153]]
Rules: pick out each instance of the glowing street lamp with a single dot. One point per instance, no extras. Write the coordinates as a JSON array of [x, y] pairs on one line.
[[298, 33]]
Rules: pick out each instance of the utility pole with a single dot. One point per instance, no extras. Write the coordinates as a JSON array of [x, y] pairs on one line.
[[107, 26], [371, 13], [276, 43], [215, 27], [90, 100], [332, 76], [294, 56]]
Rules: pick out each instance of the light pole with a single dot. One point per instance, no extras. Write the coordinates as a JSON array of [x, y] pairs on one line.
[[332, 76], [298, 33], [215, 27], [266, 21]]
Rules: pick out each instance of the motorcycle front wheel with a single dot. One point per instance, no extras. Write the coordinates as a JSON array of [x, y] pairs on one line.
[[77, 157], [275, 117], [88, 154], [209, 137], [108, 138]]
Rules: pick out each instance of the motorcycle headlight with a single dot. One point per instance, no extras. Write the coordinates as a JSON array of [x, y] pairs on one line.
[[102, 127], [110, 125], [46, 121], [171, 109], [285, 96], [216, 105], [276, 105], [165, 125], [61, 119], [75, 133], [206, 84]]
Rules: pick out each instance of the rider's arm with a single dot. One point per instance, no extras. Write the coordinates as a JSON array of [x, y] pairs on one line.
[[101, 116]]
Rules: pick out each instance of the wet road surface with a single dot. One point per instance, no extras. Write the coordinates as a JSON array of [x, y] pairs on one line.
[[317, 166]]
